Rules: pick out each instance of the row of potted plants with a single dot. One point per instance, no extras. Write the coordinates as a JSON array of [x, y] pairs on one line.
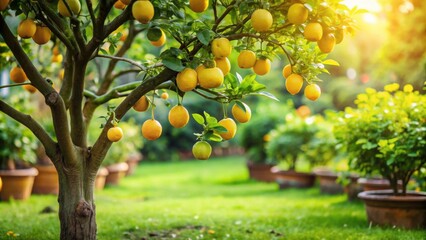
[[384, 135], [26, 169]]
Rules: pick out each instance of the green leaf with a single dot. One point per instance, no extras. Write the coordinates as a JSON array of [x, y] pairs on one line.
[[241, 105], [204, 36], [330, 62], [211, 120], [154, 34], [232, 80], [267, 94], [174, 64], [220, 128], [198, 118], [215, 137]]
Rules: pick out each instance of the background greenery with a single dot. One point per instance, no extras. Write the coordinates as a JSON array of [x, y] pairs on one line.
[[206, 199]]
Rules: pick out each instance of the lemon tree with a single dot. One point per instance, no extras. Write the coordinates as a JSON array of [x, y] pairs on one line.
[[76, 54]]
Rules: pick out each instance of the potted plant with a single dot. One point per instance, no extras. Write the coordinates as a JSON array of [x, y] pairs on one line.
[[386, 134], [253, 138], [47, 180], [17, 152], [321, 150], [287, 145]]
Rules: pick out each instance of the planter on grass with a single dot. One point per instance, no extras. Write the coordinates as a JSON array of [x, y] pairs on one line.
[[385, 209], [101, 178], [17, 183], [293, 179], [133, 161], [115, 173], [373, 184], [327, 182], [352, 188], [260, 171], [47, 181]]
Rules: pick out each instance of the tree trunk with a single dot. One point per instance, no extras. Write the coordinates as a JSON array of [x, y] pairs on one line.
[[77, 213]]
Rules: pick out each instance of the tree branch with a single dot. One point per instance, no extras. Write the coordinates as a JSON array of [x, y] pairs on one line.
[[53, 99], [66, 87], [63, 33], [31, 124], [102, 144], [134, 63]]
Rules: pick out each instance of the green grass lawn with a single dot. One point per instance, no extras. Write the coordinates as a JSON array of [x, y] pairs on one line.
[[204, 200]]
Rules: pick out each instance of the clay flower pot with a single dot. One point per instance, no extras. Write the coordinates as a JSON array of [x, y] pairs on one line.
[[47, 181], [327, 182], [372, 184], [385, 209], [17, 183], [293, 179], [133, 161], [101, 178], [115, 173], [260, 171]]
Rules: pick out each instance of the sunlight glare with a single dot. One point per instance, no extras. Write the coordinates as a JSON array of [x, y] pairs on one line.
[[370, 5]]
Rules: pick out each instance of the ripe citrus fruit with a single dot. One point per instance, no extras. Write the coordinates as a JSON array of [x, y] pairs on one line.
[[56, 50], [42, 35], [261, 20], [340, 35], [239, 114], [161, 41], [223, 64], [198, 5], [30, 88], [210, 77], [312, 92], [151, 129], [143, 11], [178, 116], [114, 134], [61, 74], [246, 59], [327, 42], [3, 6], [27, 28], [303, 111], [231, 126], [74, 5], [120, 5], [57, 58], [221, 47], [313, 31], [165, 96], [297, 13], [262, 66], [187, 80], [142, 104], [18, 75], [294, 83], [199, 68], [287, 71], [202, 150]]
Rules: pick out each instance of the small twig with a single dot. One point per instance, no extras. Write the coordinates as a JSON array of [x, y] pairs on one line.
[[134, 63]]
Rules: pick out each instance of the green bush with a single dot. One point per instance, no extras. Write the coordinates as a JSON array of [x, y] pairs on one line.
[[18, 143], [386, 133]]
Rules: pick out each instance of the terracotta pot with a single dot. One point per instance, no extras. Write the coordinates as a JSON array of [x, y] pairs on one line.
[[372, 184], [260, 171], [293, 179], [115, 173], [133, 161], [47, 180], [327, 182], [17, 183], [353, 188], [100, 178], [385, 209]]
